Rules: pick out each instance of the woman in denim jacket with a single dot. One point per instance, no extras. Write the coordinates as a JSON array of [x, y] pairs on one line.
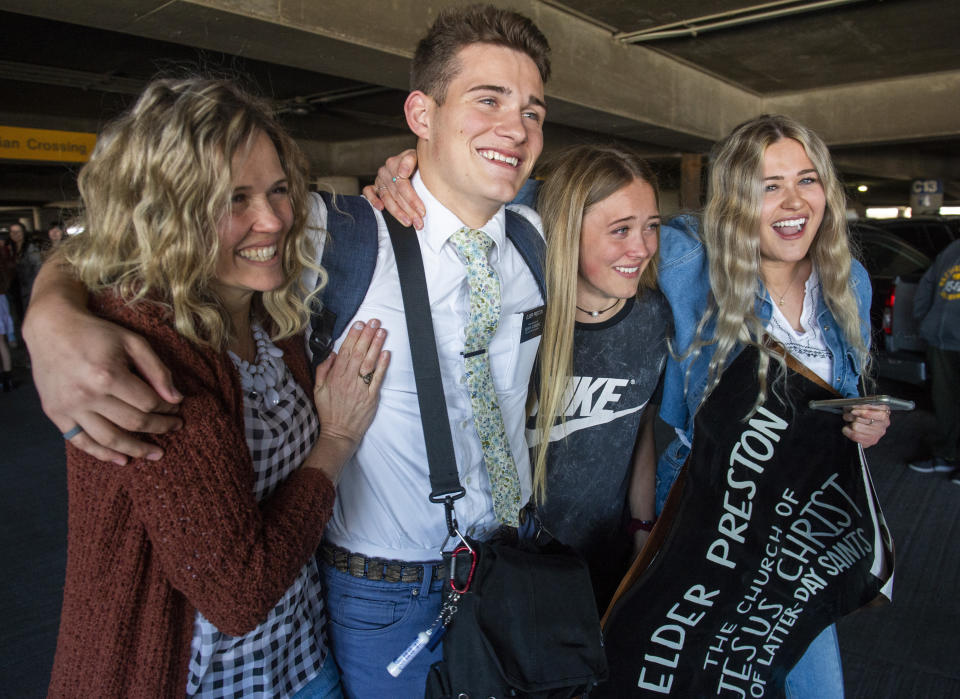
[[794, 227]]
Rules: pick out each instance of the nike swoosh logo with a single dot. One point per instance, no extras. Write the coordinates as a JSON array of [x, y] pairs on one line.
[[558, 432]]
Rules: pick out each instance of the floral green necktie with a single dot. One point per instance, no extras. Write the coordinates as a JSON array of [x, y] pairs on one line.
[[485, 306]]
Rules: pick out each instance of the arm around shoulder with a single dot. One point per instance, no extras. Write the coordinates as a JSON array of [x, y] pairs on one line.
[[81, 371]]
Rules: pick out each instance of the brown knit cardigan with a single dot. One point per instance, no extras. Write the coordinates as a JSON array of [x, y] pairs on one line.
[[150, 543]]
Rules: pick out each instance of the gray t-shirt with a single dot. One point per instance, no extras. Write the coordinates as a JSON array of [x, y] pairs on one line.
[[617, 367]]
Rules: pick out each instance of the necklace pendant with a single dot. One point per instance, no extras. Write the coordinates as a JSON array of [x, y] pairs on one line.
[[273, 397], [594, 314]]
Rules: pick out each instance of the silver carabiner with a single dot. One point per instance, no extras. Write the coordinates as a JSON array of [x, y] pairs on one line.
[[463, 539]]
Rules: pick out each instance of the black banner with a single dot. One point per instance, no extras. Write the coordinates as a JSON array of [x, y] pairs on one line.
[[776, 535]]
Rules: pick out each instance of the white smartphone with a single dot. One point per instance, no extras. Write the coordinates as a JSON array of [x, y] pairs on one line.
[[836, 405]]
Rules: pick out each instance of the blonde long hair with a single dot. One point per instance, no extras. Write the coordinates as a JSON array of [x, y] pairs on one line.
[[731, 226], [154, 191], [577, 178]]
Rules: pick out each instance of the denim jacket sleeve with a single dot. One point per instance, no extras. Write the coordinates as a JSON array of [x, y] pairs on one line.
[[847, 365]]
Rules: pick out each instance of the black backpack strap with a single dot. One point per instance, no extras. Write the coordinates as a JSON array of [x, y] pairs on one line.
[[349, 257], [531, 246], [444, 480]]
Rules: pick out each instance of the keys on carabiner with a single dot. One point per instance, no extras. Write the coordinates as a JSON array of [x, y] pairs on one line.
[[436, 637], [431, 638]]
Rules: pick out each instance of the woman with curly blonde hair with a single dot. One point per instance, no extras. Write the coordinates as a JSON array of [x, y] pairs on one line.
[[786, 252], [191, 571], [770, 309]]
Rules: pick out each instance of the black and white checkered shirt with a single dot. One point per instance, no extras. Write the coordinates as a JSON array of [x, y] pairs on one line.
[[278, 657]]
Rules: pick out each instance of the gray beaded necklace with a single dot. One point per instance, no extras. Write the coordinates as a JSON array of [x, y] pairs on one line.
[[261, 377]]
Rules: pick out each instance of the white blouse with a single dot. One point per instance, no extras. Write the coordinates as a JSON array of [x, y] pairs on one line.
[[806, 345]]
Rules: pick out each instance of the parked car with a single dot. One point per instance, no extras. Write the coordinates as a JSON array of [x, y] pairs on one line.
[[886, 255], [903, 357], [896, 253]]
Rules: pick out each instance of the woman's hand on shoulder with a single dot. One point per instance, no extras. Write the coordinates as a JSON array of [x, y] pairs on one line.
[[347, 388], [866, 424]]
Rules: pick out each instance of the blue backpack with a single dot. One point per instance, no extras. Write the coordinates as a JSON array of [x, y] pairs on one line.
[[350, 256]]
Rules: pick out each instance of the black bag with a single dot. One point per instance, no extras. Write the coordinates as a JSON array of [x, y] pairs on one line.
[[527, 626], [526, 623]]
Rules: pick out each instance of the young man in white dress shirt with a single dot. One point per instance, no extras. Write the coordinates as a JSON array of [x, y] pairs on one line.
[[477, 108]]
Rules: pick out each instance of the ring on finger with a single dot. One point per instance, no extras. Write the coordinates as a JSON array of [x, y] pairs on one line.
[[398, 177], [366, 378], [871, 421], [72, 432]]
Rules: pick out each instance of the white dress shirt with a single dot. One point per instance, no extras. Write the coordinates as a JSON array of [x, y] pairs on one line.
[[382, 508]]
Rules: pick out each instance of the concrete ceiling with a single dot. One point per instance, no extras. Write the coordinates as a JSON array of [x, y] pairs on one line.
[[880, 80]]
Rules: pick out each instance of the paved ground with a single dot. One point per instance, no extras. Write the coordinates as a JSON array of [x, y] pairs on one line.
[[908, 649]]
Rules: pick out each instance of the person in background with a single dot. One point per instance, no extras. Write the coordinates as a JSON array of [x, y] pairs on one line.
[[8, 273], [936, 307], [55, 235], [27, 258], [6, 318], [192, 571]]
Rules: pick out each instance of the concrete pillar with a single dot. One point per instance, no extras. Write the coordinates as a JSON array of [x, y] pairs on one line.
[[691, 165], [669, 203]]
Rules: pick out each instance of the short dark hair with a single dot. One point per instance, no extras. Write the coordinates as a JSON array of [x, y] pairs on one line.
[[435, 62]]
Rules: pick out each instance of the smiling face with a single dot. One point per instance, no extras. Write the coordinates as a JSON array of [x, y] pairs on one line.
[[478, 148], [16, 233], [252, 233], [793, 204], [618, 238]]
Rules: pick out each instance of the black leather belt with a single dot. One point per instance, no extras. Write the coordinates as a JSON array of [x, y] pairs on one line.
[[360, 566]]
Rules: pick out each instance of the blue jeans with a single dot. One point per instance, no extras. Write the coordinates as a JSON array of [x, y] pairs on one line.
[[326, 685], [371, 622], [818, 674]]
